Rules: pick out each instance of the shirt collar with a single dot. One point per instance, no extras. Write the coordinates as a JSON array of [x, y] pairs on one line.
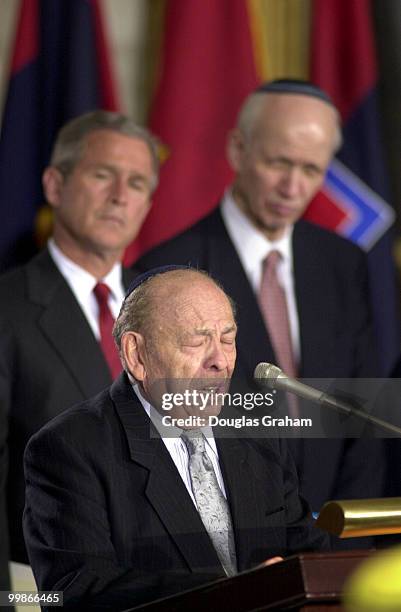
[[156, 418], [79, 277], [251, 245]]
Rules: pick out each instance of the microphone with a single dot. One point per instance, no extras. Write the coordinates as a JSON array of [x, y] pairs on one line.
[[269, 375]]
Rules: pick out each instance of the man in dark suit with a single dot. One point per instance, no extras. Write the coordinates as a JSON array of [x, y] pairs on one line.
[[286, 135], [53, 329], [117, 512]]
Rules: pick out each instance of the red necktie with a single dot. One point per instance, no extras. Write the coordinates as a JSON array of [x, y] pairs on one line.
[[106, 322], [273, 304]]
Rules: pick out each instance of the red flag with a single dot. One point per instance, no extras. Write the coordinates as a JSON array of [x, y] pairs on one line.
[[207, 69], [343, 55]]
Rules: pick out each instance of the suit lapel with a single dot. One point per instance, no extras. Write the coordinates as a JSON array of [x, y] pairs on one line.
[[252, 498], [165, 490], [233, 464], [65, 327], [224, 264]]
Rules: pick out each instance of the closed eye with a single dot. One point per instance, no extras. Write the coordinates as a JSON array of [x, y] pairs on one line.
[[138, 183], [311, 170], [102, 174]]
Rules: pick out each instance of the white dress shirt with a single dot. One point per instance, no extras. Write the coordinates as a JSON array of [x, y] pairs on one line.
[[82, 284], [253, 248], [177, 447]]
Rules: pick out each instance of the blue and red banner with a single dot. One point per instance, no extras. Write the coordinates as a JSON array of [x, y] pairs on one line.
[[60, 68], [354, 199]]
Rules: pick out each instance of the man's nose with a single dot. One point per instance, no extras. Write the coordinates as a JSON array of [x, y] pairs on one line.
[[217, 358], [119, 190], [290, 182]]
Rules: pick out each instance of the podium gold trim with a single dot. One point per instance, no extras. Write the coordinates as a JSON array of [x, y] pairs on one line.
[[356, 518]]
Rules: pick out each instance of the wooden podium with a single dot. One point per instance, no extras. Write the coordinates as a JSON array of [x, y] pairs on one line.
[[310, 582]]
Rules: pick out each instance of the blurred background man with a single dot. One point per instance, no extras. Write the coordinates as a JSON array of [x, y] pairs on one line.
[[58, 310], [302, 291]]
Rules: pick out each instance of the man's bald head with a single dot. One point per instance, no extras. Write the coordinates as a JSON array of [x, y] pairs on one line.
[[158, 295]]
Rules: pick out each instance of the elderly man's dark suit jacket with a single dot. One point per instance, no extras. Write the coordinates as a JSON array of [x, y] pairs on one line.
[[108, 519], [332, 296], [49, 360]]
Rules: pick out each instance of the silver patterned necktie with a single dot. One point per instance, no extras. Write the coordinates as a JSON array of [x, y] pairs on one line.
[[211, 503]]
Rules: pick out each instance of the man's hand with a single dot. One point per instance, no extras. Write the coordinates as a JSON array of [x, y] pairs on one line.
[[271, 561]]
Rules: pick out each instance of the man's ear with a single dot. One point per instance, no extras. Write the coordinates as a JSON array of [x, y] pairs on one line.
[[53, 182], [235, 149], [133, 351]]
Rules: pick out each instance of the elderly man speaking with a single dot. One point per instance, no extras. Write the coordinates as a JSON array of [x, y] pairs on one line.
[[118, 514]]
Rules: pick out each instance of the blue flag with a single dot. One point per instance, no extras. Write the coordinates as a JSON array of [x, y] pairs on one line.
[[60, 68]]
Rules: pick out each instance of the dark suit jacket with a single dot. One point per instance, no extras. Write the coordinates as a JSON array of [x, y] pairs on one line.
[[4, 577], [331, 287], [49, 360], [108, 519]]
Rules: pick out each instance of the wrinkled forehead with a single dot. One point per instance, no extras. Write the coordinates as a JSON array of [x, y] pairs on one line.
[[192, 301], [203, 314]]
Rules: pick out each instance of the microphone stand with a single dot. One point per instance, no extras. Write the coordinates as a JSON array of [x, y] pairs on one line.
[[278, 380]]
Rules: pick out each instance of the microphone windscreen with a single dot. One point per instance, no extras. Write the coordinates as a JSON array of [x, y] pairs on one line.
[[268, 373]]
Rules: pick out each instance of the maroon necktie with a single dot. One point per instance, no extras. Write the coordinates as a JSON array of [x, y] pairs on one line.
[[273, 304], [106, 322]]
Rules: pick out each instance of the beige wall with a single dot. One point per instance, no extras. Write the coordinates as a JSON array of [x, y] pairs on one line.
[[7, 23]]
